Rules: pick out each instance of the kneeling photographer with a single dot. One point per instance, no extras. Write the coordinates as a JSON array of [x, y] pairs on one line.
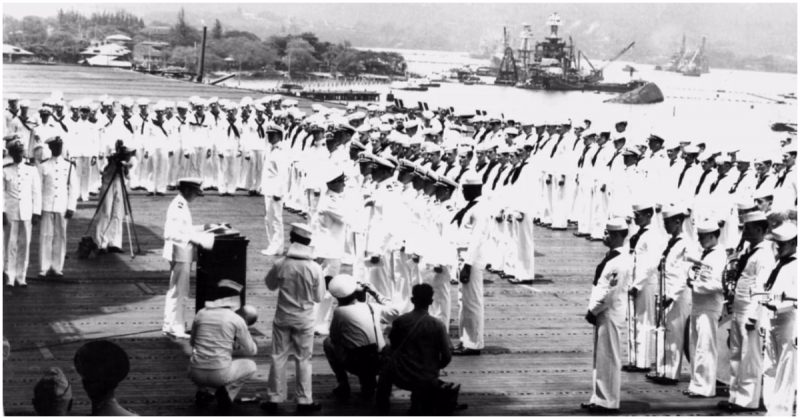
[[356, 335]]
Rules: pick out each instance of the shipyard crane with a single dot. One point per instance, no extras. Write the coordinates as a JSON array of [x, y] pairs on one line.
[[616, 57]]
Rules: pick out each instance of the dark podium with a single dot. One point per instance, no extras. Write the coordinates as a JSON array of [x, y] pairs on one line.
[[226, 260]]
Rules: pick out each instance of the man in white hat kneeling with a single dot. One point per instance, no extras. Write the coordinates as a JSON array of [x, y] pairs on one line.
[[606, 312], [300, 283]]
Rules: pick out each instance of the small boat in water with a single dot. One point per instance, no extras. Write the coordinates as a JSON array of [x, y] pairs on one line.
[[409, 85]]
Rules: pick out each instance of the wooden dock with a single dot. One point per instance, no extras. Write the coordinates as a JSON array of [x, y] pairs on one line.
[[538, 359]]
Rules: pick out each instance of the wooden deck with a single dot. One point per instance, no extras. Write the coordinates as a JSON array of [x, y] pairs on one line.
[[539, 348]]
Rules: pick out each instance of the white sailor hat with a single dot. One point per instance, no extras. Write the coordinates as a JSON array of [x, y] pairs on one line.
[[45, 109], [790, 148], [631, 150], [126, 102], [449, 145], [784, 232], [159, 107], [342, 286], [411, 123], [385, 128], [302, 230], [485, 146], [358, 145], [12, 97], [691, 149], [427, 114], [707, 225], [406, 165], [429, 131], [445, 181], [142, 101], [471, 178], [271, 127], [53, 139], [182, 105], [275, 98], [25, 103], [754, 216], [351, 106], [671, 210], [644, 205], [505, 149], [512, 131], [400, 139], [355, 116], [246, 101], [430, 147], [744, 156], [191, 182], [289, 103], [212, 100], [387, 118], [375, 135], [745, 204], [316, 107], [616, 224], [233, 285]]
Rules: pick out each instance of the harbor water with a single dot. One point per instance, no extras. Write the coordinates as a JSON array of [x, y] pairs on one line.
[[727, 109]]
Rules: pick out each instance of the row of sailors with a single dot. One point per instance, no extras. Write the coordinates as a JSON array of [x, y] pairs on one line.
[[738, 309]]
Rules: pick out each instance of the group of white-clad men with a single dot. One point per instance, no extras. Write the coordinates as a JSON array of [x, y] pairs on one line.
[[378, 188]]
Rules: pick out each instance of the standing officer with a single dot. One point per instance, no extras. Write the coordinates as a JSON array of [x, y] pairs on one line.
[[274, 187], [22, 206], [606, 312], [180, 238], [59, 199]]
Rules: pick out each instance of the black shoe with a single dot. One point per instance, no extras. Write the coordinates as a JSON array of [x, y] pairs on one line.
[[600, 410], [114, 249], [308, 408], [269, 407], [203, 399], [151, 194], [341, 393], [159, 193], [723, 392], [634, 368], [462, 351], [664, 381], [587, 405], [733, 407], [724, 405], [224, 401], [580, 234]]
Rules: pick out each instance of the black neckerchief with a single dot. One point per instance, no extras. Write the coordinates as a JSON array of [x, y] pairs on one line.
[[161, 126], [743, 261], [616, 153], [488, 170], [127, 123], [198, 123], [782, 178], [702, 179], [497, 177], [635, 238], [761, 180], [461, 173], [110, 120], [716, 182], [683, 173], [517, 171], [599, 149], [450, 167], [182, 121], [260, 127], [24, 123], [555, 147], [61, 122], [144, 121], [575, 144], [295, 135], [232, 127], [672, 242], [738, 181], [599, 271], [459, 217], [582, 160], [510, 173], [774, 274]]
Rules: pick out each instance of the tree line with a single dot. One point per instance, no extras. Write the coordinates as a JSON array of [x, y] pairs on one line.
[[63, 37]]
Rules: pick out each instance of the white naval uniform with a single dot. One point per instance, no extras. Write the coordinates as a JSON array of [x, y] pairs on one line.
[[329, 226], [59, 195], [786, 190], [746, 361], [22, 198], [159, 144], [254, 143], [607, 304], [781, 351], [217, 133], [274, 188], [176, 161], [646, 253], [585, 181], [676, 271], [473, 233], [227, 151], [707, 300], [179, 250], [85, 147], [195, 140], [600, 195]]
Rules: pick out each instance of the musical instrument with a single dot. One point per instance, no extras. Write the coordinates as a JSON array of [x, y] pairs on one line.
[[660, 332], [632, 330]]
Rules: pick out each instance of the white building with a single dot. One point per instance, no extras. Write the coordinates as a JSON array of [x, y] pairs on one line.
[[108, 55]]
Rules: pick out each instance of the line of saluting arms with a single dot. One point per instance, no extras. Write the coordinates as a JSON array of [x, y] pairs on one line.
[[378, 188]]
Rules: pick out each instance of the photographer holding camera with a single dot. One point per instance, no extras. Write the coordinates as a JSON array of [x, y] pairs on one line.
[[356, 335], [107, 234]]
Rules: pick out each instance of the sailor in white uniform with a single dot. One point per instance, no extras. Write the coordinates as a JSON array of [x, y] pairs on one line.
[[59, 200], [22, 206]]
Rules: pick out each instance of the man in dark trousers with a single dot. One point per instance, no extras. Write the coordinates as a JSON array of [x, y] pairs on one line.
[[420, 347]]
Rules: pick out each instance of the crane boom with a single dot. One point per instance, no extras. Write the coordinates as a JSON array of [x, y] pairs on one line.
[[618, 55], [587, 60]]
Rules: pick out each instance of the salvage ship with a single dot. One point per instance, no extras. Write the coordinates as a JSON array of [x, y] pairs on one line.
[[554, 64], [689, 63]]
